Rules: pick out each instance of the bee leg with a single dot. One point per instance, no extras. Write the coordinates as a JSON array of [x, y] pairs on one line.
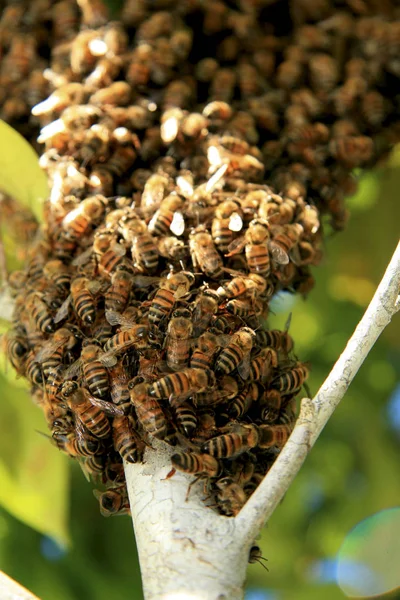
[[190, 487]]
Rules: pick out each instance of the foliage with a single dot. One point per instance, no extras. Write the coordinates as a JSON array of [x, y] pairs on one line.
[[21, 176]]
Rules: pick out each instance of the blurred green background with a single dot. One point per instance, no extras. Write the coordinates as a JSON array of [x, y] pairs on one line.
[[351, 474]]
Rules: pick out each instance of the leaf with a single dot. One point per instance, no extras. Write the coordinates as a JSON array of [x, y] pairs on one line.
[[20, 174], [33, 474]]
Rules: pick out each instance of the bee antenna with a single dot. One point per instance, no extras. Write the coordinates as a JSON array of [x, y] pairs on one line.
[[287, 324]]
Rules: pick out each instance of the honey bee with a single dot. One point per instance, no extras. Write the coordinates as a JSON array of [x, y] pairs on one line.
[[178, 342], [153, 193], [291, 380], [235, 352], [231, 496], [64, 96], [206, 346], [245, 307], [94, 13], [274, 435], [241, 438], [113, 501], [256, 243], [143, 248], [261, 366], [217, 111], [95, 144], [352, 151], [133, 12], [118, 93], [170, 290], [20, 57], [136, 336], [92, 467], [16, 348], [117, 296], [112, 259], [274, 338], [271, 406], [186, 418], [227, 220], [148, 411], [204, 254], [78, 222], [177, 93], [119, 390], [52, 354], [177, 385], [171, 248], [77, 446], [168, 218], [289, 74], [126, 440], [82, 296], [228, 389], [324, 72], [206, 427], [65, 19], [205, 307], [256, 556], [223, 84], [57, 273], [285, 238], [93, 363], [38, 313], [203, 466], [242, 403]]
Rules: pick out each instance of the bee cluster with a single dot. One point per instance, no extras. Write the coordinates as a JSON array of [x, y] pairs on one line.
[[193, 150]]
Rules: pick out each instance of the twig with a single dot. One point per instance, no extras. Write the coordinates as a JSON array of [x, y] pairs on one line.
[[188, 551]]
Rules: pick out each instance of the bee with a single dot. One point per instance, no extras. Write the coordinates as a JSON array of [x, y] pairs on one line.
[[117, 296], [76, 445], [126, 440], [113, 501], [289, 74], [324, 72], [253, 285], [88, 409], [78, 222], [170, 290], [261, 366], [167, 218], [92, 467], [133, 12], [148, 411], [206, 427], [223, 84], [237, 349], [20, 57], [242, 403], [153, 193], [83, 299], [112, 259], [16, 348], [217, 111], [95, 144], [178, 342], [285, 238], [240, 439], [65, 19], [33, 370], [58, 274], [352, 151], [52, 354], [203, 466], [144, 248], [309, 220], [256, 243], [245, 307], [205, 307], [273, 435], [206, 347], [177, 93], [291, 380], [136, 336], [193, 127], [256, 556], [231, 496], [38, 313], [204, 254], [116, 94], [227, 390], [271, 406], [93, 363], [274, 338], [186, 418], [177, 385], [227, 220], [171, 248], [63, 97], [119, 390], [94, 13], [122, 158]]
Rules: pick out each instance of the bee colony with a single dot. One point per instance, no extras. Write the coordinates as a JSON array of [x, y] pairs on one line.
[[195, 152]]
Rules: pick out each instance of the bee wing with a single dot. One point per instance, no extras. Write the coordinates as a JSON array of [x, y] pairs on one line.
[[118, 249], [278, 255], [48, 350], [73, 369], [63, 310], [244, 367], [223, 340], [236, 246], [144, 281], [213, 182], [115, 318], [288, 321], [295, 256], [107, 407], [178, 224], [108, 359], [176, 401], [83, 258], [85, 471]]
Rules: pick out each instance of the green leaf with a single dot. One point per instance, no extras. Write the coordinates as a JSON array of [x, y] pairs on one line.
[[33, 474], [20, 174]]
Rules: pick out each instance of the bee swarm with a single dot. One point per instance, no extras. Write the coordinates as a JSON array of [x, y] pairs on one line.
[[194, 151]]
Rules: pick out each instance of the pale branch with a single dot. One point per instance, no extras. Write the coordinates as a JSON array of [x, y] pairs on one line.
[[315, 414], [187, 550]]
